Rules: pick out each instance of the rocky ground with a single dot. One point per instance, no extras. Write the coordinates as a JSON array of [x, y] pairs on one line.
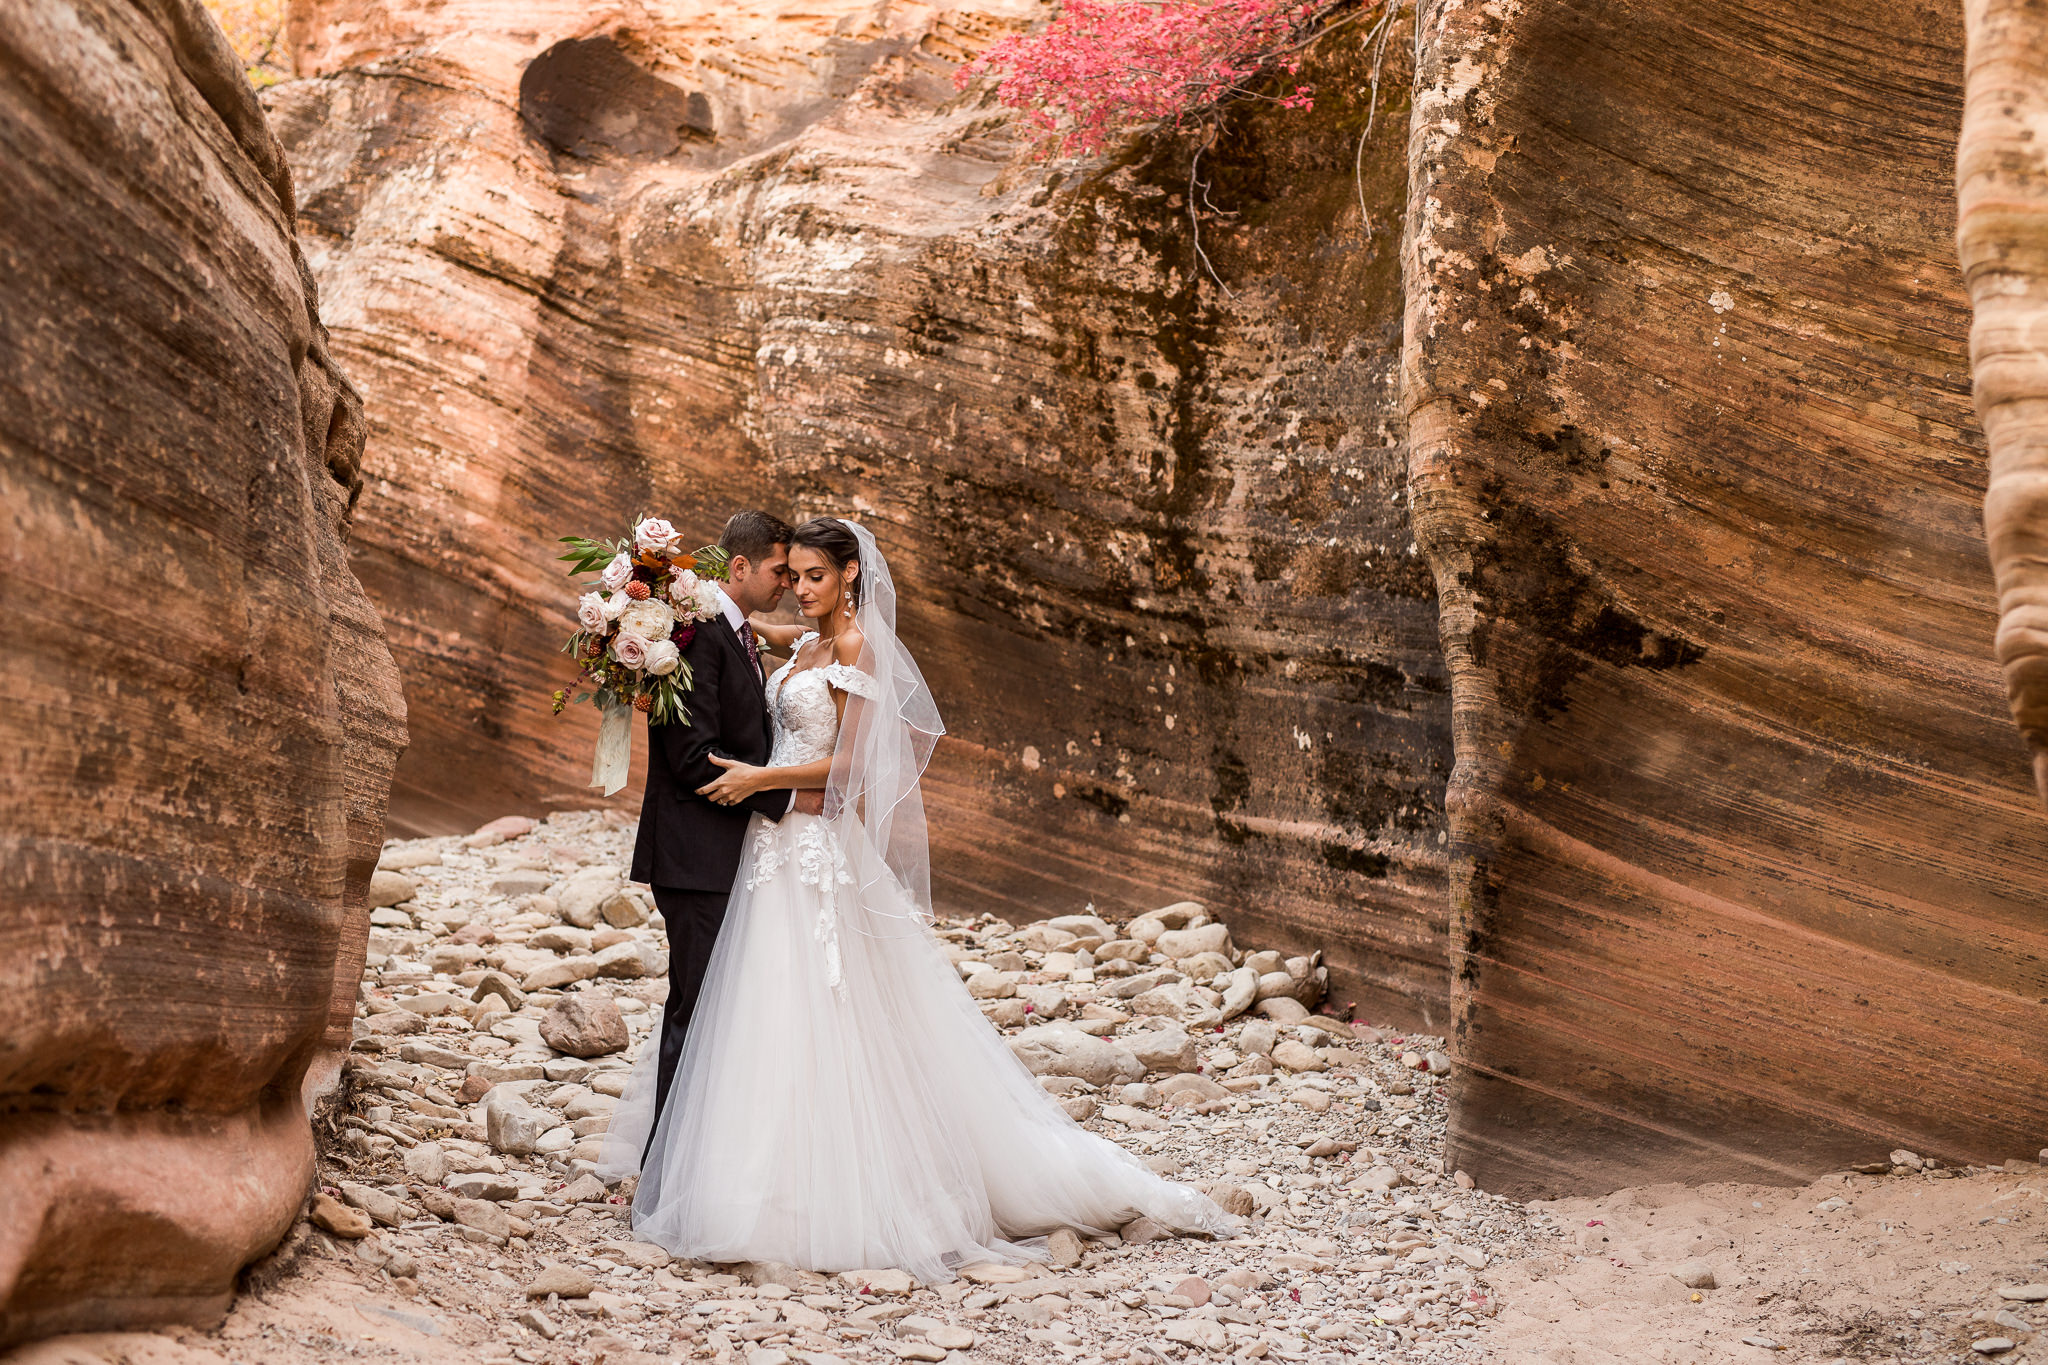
[[513, 976]]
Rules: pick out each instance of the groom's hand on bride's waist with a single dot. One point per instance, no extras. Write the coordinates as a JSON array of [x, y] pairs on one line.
[[809, 801]]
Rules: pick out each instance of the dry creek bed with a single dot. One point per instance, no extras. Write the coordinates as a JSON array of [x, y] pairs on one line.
[[460, 1217]]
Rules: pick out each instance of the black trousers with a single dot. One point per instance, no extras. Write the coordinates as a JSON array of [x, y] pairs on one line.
[[693, 919]]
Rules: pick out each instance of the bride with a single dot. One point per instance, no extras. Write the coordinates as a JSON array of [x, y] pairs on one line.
[[841, 1103]]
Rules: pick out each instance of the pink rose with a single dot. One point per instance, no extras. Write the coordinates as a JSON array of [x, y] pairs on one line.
[[656, 536], [630, 650], [617, 572], [590, 611]]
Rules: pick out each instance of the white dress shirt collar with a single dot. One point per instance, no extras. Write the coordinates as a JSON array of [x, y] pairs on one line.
[[734, 617]]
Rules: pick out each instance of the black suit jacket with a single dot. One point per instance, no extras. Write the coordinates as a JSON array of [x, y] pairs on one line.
[[686, 841]]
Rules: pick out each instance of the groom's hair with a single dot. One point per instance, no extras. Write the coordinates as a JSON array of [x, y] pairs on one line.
[[753, 535]]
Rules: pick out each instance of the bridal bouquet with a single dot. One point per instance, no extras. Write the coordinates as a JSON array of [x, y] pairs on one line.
[[650, 596]]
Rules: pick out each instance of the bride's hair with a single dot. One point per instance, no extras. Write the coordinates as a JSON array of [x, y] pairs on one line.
[[833, 539]]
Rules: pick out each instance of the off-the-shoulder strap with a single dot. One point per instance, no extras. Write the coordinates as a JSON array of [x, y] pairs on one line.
[[847, 678]]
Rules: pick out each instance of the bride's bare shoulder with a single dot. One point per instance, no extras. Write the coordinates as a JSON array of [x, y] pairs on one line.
[[846, 646]]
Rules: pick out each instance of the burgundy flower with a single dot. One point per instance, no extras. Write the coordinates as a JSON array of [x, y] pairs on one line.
[[681, 636]]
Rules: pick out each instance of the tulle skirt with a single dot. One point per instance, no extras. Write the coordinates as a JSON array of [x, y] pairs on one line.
[[842, 1104]]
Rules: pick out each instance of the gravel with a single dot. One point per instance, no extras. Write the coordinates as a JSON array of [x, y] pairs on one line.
[[1359, 1244], [459, 1172]]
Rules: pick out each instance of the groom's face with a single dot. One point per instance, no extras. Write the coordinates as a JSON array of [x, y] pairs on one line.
[[758, 586]]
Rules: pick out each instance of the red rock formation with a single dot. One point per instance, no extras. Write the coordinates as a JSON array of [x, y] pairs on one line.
[[201, 715], [1747, 880], [2003, 235], [1737, 825], [1155, 537]]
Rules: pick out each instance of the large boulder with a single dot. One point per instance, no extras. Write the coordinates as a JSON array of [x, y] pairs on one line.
[[1164, 1049], [585, 1024], [1178, 944], [201, 716], [1057, 1050]]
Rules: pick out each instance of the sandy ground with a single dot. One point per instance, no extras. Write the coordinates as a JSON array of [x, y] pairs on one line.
[[1907, 1269], [1903, 1268]]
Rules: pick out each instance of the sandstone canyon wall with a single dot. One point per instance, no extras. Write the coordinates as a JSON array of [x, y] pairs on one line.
[[1154, 536], [1654, 317], [2002, 191], [1747, 881], [200, 715]]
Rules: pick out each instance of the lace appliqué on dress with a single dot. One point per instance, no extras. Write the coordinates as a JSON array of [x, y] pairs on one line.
[[820, 865], [847, 678], [767, 860], [806, 726]]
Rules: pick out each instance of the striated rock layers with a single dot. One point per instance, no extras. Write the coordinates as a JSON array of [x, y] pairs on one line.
[[1747, 880], [200, 714], [1738, 835], [592, 260]]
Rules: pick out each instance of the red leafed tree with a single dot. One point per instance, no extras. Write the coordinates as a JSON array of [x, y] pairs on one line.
[[1100, 69]]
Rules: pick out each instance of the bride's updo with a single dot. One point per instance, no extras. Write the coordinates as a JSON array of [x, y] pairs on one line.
[[833, 539]]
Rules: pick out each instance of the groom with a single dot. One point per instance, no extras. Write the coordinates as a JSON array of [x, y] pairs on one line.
[[689, 849]]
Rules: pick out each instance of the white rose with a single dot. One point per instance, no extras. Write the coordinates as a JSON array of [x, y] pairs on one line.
[[657, 536], [630, 650], [662, 658], [615, 604], [617, 572], [651, 620], [708, 604], [590, 611]]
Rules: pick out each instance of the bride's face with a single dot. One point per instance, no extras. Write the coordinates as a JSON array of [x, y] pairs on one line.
[[820, 587]]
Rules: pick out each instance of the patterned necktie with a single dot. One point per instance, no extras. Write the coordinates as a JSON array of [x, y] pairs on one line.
[[753, 652]]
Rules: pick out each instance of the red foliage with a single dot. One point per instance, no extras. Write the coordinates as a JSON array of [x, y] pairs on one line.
[[1100, 69]]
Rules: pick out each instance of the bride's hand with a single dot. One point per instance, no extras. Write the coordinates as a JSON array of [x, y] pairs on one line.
[[738, 782]]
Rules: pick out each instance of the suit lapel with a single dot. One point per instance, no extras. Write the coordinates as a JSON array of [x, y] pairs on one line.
[[739, 649], [760, 686]]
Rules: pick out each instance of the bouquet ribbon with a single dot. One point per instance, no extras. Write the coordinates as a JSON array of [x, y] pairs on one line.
[[612, 764]]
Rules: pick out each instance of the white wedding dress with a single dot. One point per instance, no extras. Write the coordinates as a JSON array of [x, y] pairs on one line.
[[841, 1103]]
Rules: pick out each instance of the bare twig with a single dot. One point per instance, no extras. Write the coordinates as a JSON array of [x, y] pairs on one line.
[[1377, 39], [1195, 224], [1325, 31], [1210, 204]]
